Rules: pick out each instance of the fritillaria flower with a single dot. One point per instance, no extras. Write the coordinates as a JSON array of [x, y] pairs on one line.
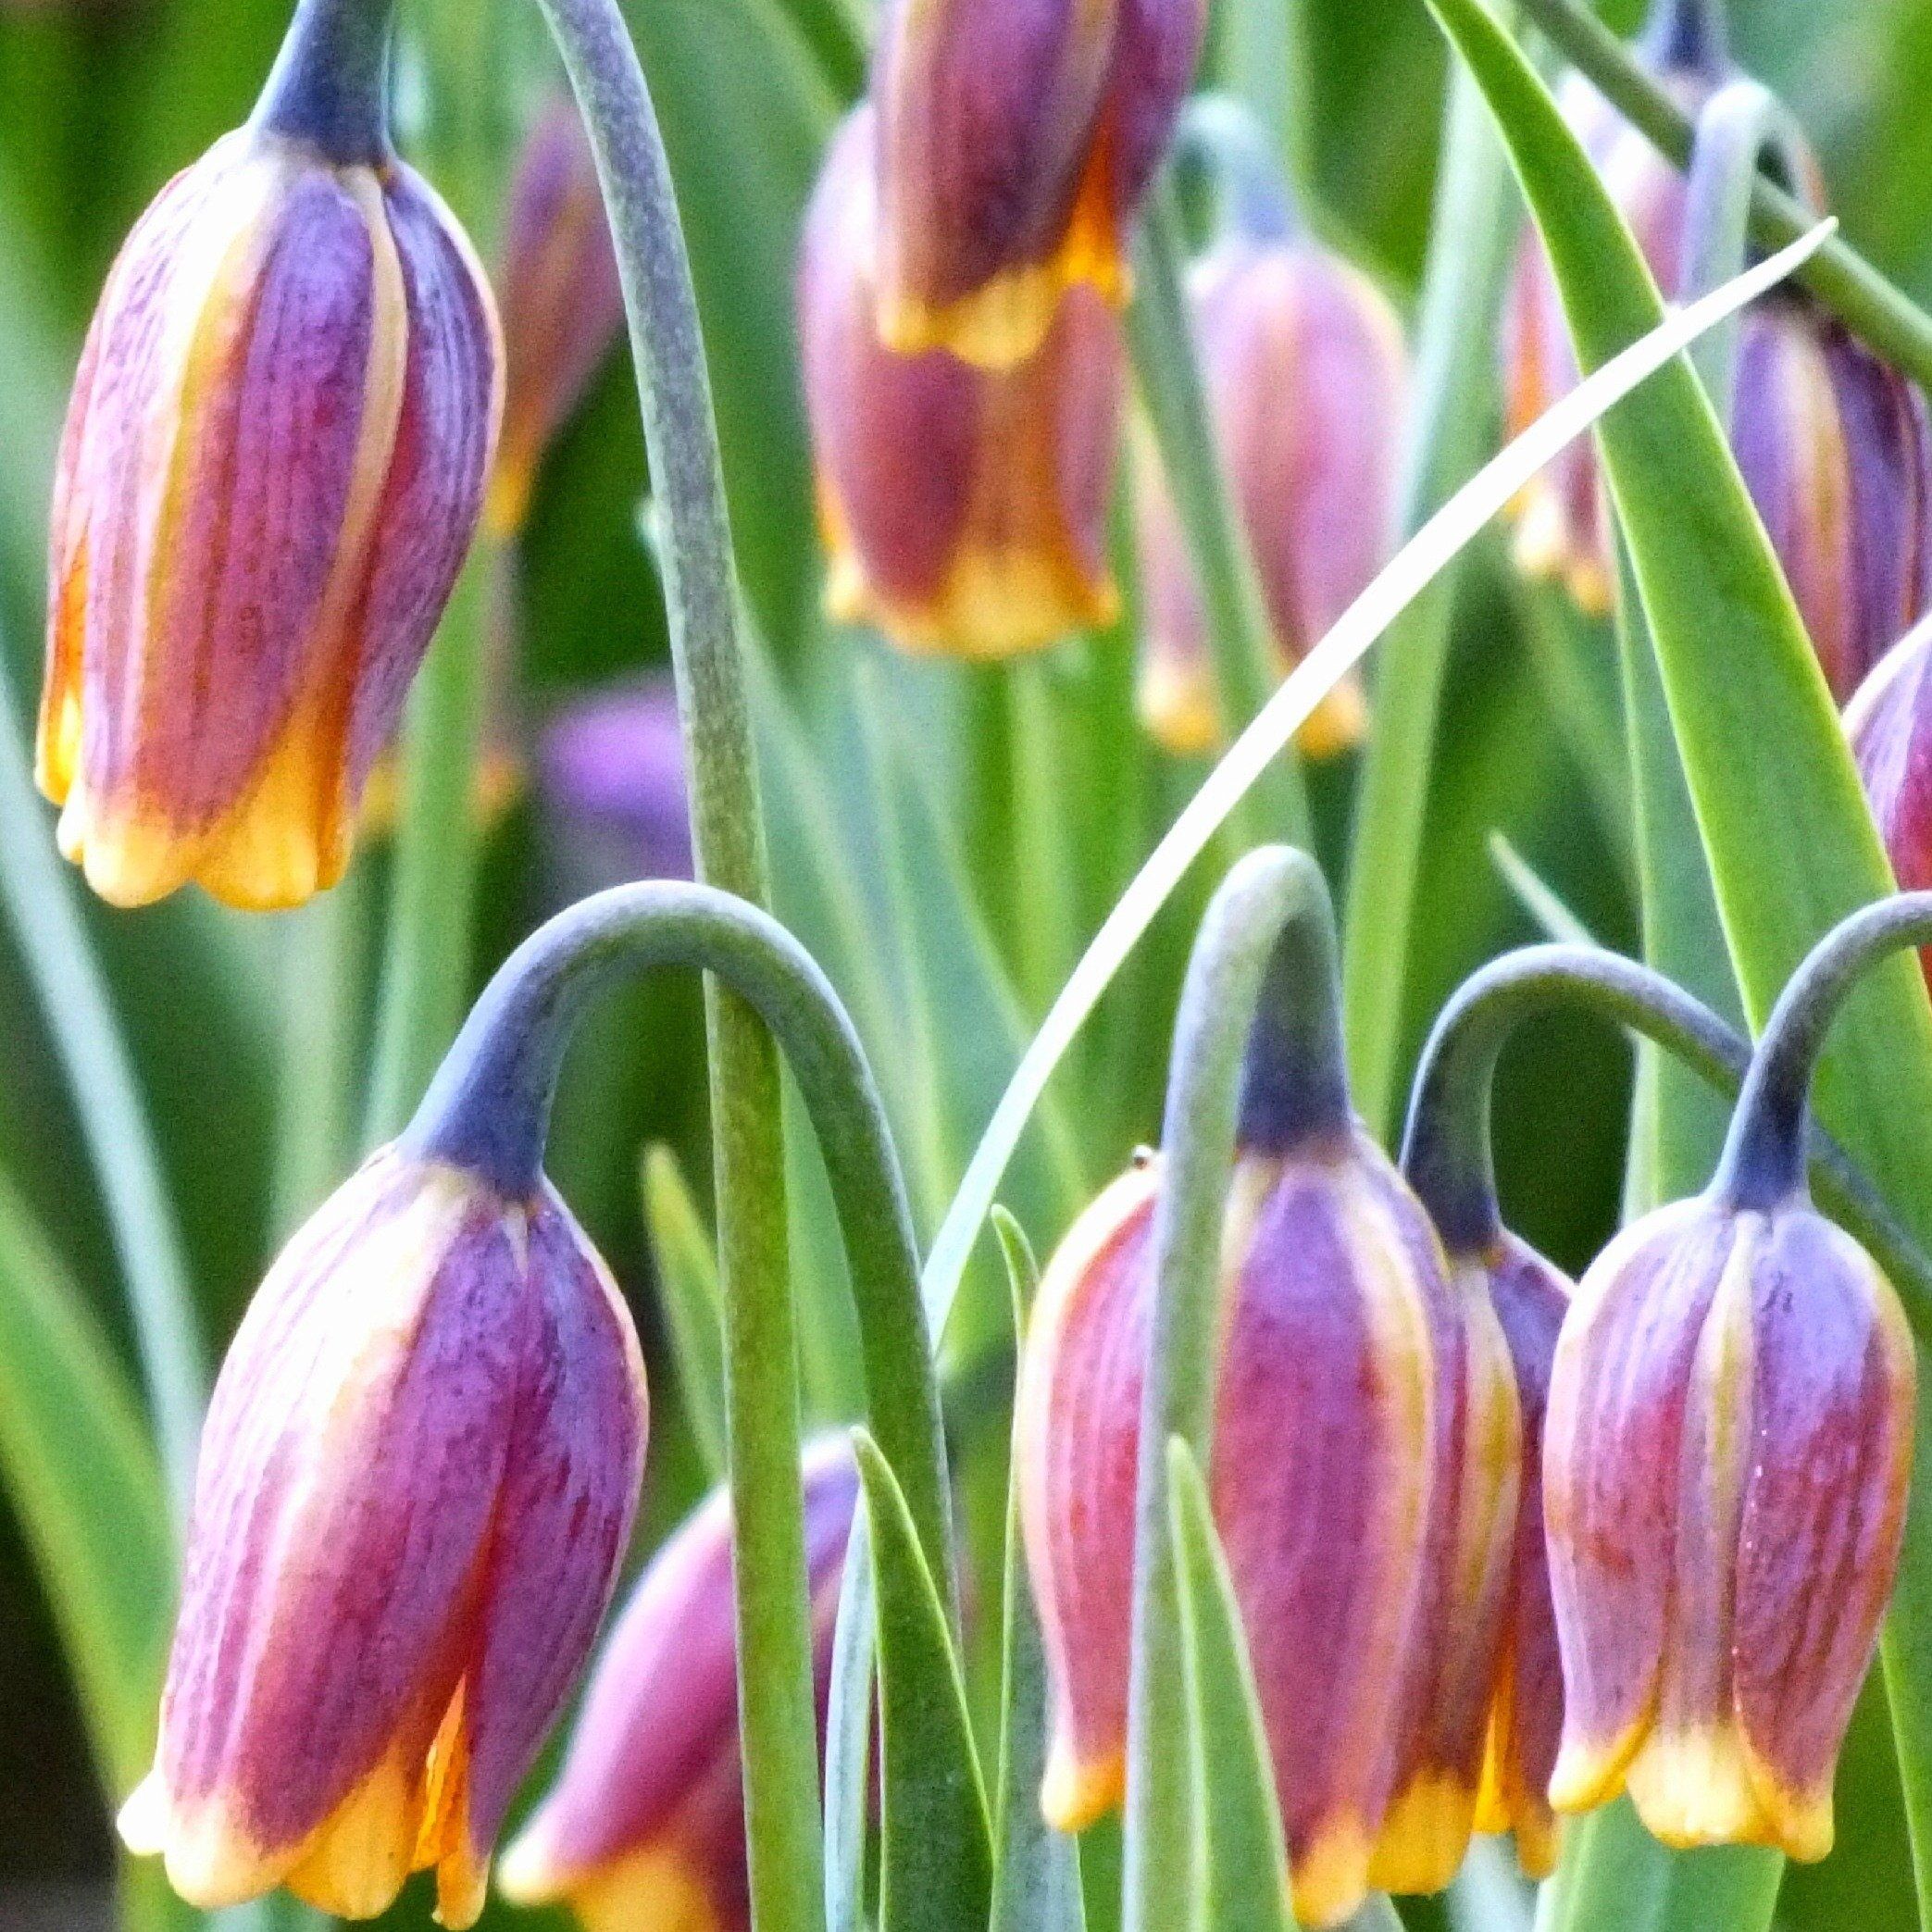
[[1363, 1481], [416, 1485], [1889, 724], [562, 305], [273, 463], [963, 510], [644, 1831], [1563, 516], [610, 767], [1305, 366], [1014, 142], [1726, 1450]]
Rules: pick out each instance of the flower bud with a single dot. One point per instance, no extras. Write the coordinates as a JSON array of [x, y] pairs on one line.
[[1727, 1445], [563, 307], [644, 1831], [1836, 449], [1305, 366], [964, 511], [1889, 724], [611, 768], [416, 1485], [1014, 143], [1362, 1482], [1562, 515], [273, 463], [1525, 1714]]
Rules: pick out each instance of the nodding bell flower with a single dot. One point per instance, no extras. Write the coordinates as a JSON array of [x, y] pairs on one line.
[[644, 1830], [1726, 1451], [416, 1485], [273, 463], [1889, 724], [1363, 1479], [1014, 143], [1305, 368], [1562, 515], [963, 510], [610, 768], [563, 309]]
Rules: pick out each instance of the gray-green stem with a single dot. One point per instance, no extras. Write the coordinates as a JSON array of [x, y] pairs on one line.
[[1272, 897], [1743, 128], [1763, 1160], [329, 84], [762, 1399], [1225, 139], [1446, 1148], [1872, 307]]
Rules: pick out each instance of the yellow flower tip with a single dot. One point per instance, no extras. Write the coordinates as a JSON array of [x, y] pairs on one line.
[[1075, 1793], [1702, 1785], [997, 325], [529, 1873], [1329, 1875], [506, 503], [1591, 1772], [1337, 723], [1590, 587], [1542, 548], [210, 1863], [1424, 1835], [653, 1890], [1176, 700]]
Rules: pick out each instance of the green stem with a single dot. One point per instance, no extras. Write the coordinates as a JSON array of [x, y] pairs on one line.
[[760, 1375], [322, 1003], [80, 1014], [1455, 386], [1446, 1150], [489, 1108], [1168, 372], [1872, 307], [1267, 892]]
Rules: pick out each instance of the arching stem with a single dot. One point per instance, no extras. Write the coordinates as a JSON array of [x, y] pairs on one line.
[[1228, 142], [330, 83], [1271, 912]]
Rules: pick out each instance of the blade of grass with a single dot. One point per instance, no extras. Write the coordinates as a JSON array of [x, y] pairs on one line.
[[693, 1303]]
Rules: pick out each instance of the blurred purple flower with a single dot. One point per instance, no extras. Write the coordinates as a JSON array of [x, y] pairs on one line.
[[610, 771]]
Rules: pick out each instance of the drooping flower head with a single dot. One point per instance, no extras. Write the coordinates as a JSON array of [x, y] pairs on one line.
[[963, 510], [1726, 1451], [1563, 528], [1014, 142], [563, 309], [644, 1831], [416, 1485], [1305, 369], [1889, 724], [1363, 1479], [273, 463], [610, 766]]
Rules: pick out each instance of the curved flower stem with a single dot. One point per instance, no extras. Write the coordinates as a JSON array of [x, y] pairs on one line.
[[701, 595], [1763, 1157], [1168, 371], [330, 83], [1225, 138], [1446, 1147], [761, 1375], [488, 1108], [79, 1015], [1743, 128], [1872, 307], [1274, 900]]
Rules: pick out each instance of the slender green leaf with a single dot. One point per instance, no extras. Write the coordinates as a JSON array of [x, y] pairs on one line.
[[1244, 1864], [936, 1871], [85, 1481], [1036, 1869], [848, 1732], [693, 1301], [1539, 898], [1790, 845]]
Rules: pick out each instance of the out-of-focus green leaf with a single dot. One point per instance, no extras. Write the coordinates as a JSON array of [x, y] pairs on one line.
[[936, 1871], [1244, 1866], [1790, 845], [693, 1303], [1036, 1869], [83, 1478]]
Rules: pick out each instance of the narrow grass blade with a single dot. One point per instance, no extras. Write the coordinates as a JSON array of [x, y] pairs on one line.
[[693, 1301], [848, 1734]]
